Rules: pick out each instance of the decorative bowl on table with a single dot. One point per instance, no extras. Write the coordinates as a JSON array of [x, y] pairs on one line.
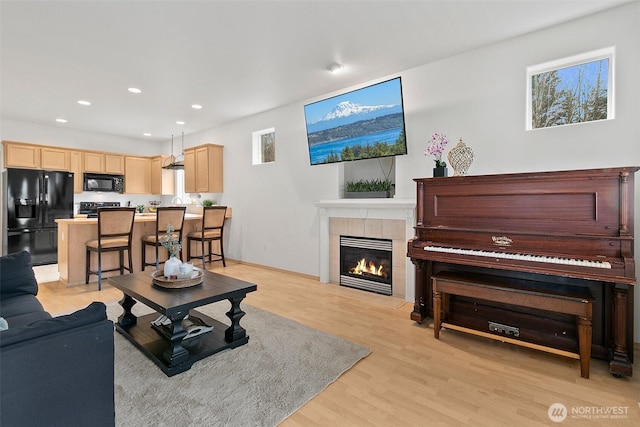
[[179, 282]]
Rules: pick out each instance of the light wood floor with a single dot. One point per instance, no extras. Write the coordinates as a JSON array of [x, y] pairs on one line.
[[410, 378]]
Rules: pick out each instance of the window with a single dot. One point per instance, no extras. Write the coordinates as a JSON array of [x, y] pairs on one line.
[[264, 146], [179, 177], [572, 90]]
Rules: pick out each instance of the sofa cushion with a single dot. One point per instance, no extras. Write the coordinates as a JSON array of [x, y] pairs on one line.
[[95, 312], [19, 305], [17, 276], [27, 318]]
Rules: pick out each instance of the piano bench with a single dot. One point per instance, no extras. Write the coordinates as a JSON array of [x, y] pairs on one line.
[[520, 292]]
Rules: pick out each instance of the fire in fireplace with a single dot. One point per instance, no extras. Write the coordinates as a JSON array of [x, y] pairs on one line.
[[366, 263]]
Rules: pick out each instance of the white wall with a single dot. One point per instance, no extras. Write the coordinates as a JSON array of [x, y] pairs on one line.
[[479, 96], [275, 221]]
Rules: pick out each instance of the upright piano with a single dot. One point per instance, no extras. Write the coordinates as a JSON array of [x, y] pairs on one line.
[[565, 229]]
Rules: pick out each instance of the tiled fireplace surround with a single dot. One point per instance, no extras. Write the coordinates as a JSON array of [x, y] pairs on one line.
[[376, 218]]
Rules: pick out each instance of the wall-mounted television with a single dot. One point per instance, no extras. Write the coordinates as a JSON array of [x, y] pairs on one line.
[[362, 124]]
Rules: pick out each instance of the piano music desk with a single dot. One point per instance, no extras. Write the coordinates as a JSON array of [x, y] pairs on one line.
[[524, 293]]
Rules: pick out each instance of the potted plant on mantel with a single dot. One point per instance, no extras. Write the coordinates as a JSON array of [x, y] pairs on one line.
[[368, 189]]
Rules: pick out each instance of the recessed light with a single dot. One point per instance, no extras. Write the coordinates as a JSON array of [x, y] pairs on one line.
[[146, 134], [335, 67], [61, 120], [196, 106], [82, 102], [179, 122], [134, 90]]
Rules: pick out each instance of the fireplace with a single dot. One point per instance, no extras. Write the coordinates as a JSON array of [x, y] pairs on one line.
[[393, 219], [366, 263]]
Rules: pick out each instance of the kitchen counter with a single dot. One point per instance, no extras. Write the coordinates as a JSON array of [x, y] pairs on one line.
[[143, 217], [73, 233]]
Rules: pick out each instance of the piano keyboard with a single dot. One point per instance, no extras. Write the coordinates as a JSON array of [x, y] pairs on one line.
[[521, 257]]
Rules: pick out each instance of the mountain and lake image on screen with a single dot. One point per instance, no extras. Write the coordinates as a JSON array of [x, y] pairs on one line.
[[363, 124]]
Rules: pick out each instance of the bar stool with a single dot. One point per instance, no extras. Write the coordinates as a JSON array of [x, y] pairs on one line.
[[172, 215], [213, 218], [115, 227]]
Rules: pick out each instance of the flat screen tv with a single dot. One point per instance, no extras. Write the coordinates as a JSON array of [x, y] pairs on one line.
[[363, 124]]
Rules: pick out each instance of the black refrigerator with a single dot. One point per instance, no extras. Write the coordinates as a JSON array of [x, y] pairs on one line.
[[33, 200]]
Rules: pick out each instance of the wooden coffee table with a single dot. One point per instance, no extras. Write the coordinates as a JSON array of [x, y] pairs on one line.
[[164, 344]]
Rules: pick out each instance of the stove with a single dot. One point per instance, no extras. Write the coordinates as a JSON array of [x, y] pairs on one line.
[[90, 209]]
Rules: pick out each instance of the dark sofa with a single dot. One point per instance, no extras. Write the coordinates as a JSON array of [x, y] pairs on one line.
[[54, 371]]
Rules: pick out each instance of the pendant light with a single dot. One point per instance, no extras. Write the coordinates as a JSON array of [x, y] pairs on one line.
[[176, 162]]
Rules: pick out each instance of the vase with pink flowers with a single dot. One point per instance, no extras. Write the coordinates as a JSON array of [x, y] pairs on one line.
[[435, 148]]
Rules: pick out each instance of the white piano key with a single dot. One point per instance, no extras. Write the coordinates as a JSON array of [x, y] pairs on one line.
[[519, 256]]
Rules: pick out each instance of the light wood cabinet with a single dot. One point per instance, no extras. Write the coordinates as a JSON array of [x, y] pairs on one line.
[[114, 163], [93, 162], [75, 166], [143, 175], [189, 171], [17, 155], [162, 180], [103, 163], [137, 175], [52, 158], [209, 178], [203, 171]]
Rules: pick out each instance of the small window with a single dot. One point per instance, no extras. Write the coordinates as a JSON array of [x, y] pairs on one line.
[[264, 146], [571, 90], [179, 185]]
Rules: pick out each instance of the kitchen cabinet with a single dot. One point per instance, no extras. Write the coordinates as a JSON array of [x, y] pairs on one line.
[[137, 175], [75, 166], [52, 158], [162, 180], [93, 162], [143, 175], [103, 163], [18, 155], [203, 171], [114, 163], [189, 171]]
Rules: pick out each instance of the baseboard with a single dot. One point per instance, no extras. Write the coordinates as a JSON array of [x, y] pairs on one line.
[[279, 270]]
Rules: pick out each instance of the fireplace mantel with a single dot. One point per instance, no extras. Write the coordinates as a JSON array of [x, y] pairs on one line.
[[391, 209], [384, 204]]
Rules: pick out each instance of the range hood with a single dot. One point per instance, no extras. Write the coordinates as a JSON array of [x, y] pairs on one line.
[[175, 162]]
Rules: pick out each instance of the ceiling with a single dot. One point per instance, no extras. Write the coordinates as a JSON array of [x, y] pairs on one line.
[[235, 58]]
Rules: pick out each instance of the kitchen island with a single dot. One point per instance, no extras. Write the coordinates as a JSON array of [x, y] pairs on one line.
[[73, 234]]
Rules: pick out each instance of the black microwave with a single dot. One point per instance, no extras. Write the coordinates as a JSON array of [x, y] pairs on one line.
[[103, 182]]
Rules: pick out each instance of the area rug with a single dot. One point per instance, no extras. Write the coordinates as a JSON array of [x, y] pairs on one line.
[[282, 367]]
